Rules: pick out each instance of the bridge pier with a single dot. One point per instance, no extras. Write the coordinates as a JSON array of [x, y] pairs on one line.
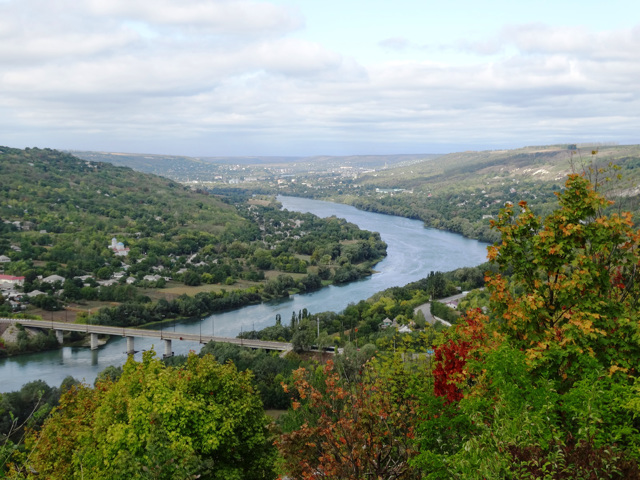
[[167, 348], [59, 336], [130, 349], [94, 341]]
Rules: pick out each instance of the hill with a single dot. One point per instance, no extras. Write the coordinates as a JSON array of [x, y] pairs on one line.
[[231, 169], [535, 164], [462, 192], [94, 234], [57, 192]]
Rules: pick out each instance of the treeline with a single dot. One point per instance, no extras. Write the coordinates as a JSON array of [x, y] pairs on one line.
[[136, 310]]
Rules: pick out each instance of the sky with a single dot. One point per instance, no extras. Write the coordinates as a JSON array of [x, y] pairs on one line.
[[317, 77]]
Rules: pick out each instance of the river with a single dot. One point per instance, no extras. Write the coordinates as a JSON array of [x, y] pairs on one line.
[[412, 252]]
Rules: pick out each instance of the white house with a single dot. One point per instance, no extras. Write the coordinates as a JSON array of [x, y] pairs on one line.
[[4, 259], [386, 323], [53, 279], [35, 293]]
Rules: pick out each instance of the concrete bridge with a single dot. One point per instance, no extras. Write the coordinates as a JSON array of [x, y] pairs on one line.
[[131, 333]]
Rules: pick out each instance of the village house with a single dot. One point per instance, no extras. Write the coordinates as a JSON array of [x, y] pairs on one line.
[[386, 323], [35, 293], [53, 279], [11, 280], [4, 259]]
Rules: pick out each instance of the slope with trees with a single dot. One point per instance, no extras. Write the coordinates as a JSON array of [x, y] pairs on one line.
[[62, 218]]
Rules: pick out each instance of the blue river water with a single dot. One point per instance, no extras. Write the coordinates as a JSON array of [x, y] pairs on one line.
[[412, 252]]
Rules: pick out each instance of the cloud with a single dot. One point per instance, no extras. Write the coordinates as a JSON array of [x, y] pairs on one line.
[[229, 77], [219, 16], [395, 43]]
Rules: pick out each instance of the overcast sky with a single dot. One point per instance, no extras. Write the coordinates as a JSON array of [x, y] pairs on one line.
[[308, 77]]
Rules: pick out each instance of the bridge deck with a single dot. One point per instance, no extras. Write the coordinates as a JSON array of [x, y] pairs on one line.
[[138, 332]]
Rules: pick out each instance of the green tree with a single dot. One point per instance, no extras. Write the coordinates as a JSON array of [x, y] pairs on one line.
[[192, 278], [303, 336], [202, 420]]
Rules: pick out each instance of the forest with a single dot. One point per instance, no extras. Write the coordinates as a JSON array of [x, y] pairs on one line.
[[536, 379]]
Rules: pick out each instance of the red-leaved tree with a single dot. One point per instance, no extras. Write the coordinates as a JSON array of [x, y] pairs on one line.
[[356, 430]]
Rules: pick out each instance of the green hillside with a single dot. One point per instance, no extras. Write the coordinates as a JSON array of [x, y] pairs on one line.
[[462, 192], [81, 202]]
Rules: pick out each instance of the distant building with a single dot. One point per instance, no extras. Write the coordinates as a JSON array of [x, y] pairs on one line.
[[386, 323], [118, 248], [35, 293], [53, 279], [11, 280], [4, 259]]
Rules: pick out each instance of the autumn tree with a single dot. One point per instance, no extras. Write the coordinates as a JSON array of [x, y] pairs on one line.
[[471, 338], [351, 430], [571, 301], [544, 385]]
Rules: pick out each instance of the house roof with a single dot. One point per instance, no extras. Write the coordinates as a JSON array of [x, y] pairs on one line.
[[53, 278], [35, 293], [11, 278]]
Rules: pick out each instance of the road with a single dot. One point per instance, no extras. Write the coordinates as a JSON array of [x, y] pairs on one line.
[[425, 308]]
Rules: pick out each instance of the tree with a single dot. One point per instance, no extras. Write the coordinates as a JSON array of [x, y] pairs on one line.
[[203, 420], [192, 278], [351, 431], [572, 300], [303, 336]]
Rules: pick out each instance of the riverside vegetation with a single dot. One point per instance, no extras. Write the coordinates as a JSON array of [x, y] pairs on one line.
[[540, 384]]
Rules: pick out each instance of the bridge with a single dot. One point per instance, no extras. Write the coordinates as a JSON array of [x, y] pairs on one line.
[[130, 333]]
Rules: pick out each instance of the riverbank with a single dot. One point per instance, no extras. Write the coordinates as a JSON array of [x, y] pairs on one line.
[[17, 339], [477, 229]]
